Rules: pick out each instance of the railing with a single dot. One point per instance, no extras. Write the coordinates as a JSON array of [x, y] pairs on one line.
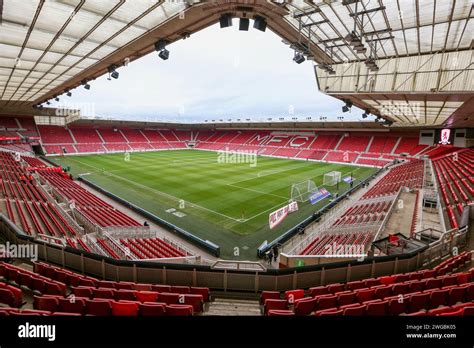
[[178, 246], [94, 246], [50, 239], [60, 209], [121, 251], [89, 226], [389, 213], [129, 231], [247, 266]]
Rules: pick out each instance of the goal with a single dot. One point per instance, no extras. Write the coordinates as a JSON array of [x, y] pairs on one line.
[[301, 191], [332, 178]]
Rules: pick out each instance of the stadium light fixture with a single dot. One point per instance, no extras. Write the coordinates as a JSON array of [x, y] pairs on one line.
[[244, 24], [164, 54], [366, 114], [68, 93], [298, 58], [48, 103], [225, 20], [86, 84], [347, 107], [260, 23], [113, 72], [56, 98], [160, 46]]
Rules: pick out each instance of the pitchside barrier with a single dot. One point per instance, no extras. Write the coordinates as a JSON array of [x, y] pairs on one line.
[[251, 281]]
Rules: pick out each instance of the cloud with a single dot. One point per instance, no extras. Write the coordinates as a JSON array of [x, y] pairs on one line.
[[214, 73]]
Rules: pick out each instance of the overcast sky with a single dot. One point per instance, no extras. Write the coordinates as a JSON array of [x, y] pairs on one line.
[[215, 74]]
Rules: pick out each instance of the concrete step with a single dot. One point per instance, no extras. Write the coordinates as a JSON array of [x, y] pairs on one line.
[[233, 307]]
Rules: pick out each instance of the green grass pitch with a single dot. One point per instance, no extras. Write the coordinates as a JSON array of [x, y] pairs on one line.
[[226, 203]]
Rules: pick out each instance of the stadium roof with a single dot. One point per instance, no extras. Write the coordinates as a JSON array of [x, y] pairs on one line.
[[424, 49]]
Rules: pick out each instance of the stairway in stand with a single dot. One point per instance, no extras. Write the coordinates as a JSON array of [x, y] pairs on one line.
[[233, 307]]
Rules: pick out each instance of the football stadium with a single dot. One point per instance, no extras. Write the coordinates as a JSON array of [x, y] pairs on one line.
[[364, 209]]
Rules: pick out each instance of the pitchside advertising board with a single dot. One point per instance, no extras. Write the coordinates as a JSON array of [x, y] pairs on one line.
[[319, 195], [275, 218]]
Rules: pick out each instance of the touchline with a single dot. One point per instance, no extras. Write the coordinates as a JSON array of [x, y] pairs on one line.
[[37, 331]]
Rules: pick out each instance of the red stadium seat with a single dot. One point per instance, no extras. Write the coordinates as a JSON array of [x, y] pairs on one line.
[[196, 301], [103, 293], [318, 290], [354, 310], [50, 304], [345, 298], [204, 292], [333, 288], [124, 308], [274, 304], [292, 295], [146, 296], [128, 295], [325, 302], [179, 310], [180, 289], [99, 307], [377, 308], [105, 284], [169, 298], [142, 287], [7, 297], [438, 298], [418, 301], [82, 291], [72, 305], [152, 309], [397, 307], [329, 312], [274, 295], [365, 295], [280, 313], [305, 306], [456, 295], [124, 285], [161, 288]]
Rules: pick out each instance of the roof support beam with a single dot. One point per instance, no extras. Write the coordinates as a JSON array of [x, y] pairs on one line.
[[355, 14]]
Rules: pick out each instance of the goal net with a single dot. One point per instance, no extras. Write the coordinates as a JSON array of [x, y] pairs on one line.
[[301, 191], [332, 178]]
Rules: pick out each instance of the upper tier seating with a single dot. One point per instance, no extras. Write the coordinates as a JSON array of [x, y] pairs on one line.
[[8, 123], [111, 135], [55, 135], [86, 135], [455, 176], [410, 146], [382, 144], [354, 143]]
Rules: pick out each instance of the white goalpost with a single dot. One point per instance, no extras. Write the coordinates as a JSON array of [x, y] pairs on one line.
[[301, 191], [332, 178]]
